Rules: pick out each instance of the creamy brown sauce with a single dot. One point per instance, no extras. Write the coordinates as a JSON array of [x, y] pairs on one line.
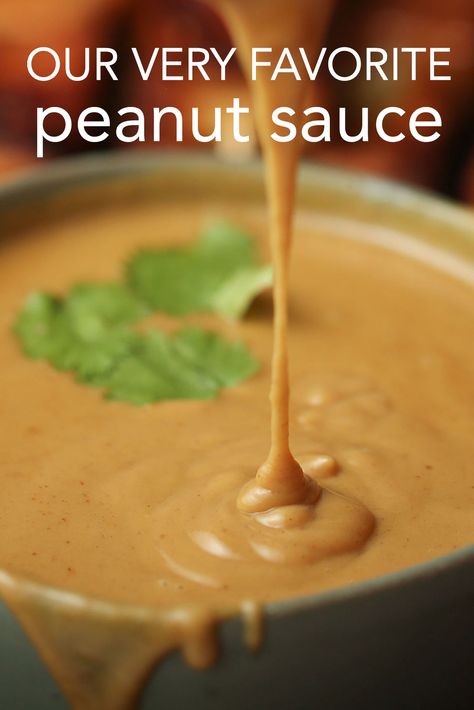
[[382, 373], [282, 496], [95, 500], [280, 481]]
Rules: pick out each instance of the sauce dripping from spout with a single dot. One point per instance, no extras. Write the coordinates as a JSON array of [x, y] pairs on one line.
[[280, 480]]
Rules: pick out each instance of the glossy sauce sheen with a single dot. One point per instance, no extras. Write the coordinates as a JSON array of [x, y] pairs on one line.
[[98, 501], [282, 498], [166, 505]]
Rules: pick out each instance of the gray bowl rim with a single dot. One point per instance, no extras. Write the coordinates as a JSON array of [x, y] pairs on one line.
[[77, 171]]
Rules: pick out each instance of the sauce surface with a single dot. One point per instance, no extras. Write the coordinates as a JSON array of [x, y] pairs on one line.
[[281, 497], [382, 377]]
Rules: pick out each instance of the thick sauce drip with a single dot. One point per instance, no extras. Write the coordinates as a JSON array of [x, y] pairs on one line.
[[280, 481], [281, 495]]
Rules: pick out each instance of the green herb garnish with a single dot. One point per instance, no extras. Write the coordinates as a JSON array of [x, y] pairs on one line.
[[220, 273], [191, 364], [89, 332], [86, 333]]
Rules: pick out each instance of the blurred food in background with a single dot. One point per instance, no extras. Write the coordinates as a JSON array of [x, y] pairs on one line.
[[446, 165]]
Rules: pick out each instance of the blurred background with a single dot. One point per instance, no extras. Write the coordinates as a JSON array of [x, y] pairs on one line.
[[446, 166]]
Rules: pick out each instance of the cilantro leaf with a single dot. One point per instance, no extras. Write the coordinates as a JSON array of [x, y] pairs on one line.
[[94, 308], [155, 371], [89, 332], [191, 364], [140, 368], [228, 363], [85, 333], [220, 273], [35, 326], [234, 297]]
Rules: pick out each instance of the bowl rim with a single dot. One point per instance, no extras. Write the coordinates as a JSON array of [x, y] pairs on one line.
[[33, 182], [67, 173]]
